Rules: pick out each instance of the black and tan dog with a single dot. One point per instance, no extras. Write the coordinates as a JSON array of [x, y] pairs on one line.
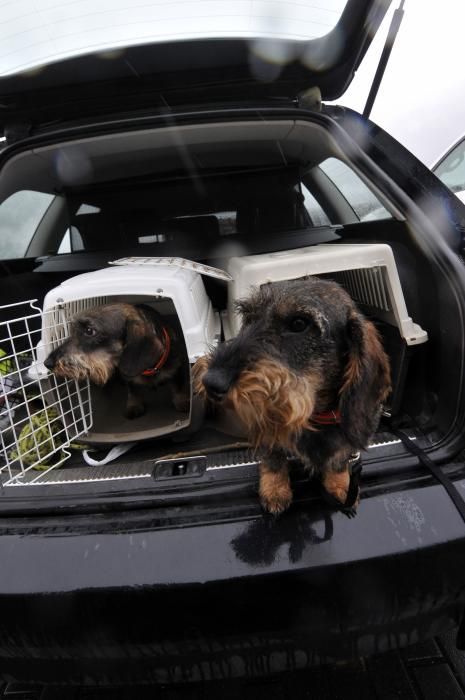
[[132, 340], [307, 376]]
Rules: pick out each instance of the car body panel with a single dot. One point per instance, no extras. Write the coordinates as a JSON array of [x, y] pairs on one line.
[[164, 603], [307, 538]]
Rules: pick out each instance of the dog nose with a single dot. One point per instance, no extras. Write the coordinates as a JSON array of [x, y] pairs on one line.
[[49, 362], [217, 383]]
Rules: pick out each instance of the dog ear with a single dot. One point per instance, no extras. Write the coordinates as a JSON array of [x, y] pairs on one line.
[[244, 307], [366, 382], [140, 351]]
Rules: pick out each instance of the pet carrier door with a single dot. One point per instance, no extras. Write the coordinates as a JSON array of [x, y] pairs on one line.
[[41, 415]]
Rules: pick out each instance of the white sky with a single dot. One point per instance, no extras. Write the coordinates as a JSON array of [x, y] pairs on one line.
[[421, 101]]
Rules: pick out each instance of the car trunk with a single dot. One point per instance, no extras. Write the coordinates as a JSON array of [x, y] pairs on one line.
[[214, 191]]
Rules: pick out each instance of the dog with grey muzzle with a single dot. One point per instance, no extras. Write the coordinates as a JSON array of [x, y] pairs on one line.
[[307, 376], [131, 340]]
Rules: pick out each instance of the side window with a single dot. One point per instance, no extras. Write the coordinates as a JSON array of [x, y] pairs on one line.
[[20, 216], [361, 199], [71, 241], [316, 213], [452, 169]]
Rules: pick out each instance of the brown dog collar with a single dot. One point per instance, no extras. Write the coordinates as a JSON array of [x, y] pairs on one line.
[[327, 417], [164, 356]]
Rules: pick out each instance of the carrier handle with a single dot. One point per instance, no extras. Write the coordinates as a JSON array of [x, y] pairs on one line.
[[115, 452]]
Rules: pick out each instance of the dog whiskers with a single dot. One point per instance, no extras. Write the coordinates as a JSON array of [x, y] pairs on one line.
[[95, 367]]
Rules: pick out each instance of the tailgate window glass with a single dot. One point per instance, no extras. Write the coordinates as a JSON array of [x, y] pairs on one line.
[[85, 27]]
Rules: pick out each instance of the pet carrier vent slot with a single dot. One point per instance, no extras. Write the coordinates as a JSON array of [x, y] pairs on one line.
[[365, 286], [39, 419]]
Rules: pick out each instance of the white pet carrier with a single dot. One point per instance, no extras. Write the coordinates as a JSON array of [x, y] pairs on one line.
[[367, 271], [172, 286]]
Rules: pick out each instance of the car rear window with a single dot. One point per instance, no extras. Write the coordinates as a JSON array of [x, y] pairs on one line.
[[35, 34], [197, 216], [186, 212]]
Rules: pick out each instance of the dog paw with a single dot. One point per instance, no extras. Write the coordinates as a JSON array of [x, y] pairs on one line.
[[135, 411], [275, 492], [337, 486], [276, 504]]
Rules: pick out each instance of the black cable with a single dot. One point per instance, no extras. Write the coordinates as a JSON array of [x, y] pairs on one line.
[[436, 471]]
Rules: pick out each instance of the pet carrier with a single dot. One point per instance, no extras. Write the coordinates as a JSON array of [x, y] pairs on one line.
[[173, 287], [42, 414]]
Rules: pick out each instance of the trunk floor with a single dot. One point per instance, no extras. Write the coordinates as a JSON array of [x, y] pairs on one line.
[[221, 451]]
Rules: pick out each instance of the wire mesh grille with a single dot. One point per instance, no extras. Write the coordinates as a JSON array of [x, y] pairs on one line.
[[40, 414], [56, 329]]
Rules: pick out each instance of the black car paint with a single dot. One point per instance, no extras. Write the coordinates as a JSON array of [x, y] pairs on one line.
[[170, 603], [154, 553]]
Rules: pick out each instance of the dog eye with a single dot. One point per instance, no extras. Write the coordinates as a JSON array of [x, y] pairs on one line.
[[298, 324], [88, 330]]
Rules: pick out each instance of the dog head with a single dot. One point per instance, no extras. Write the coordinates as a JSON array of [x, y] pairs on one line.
[[107, 337], [303, 347]]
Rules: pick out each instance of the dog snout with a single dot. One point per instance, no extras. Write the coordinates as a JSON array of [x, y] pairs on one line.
[[217, 383], [51, 360], [54, 357]]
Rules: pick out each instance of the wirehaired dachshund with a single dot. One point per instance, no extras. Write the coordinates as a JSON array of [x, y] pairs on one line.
[[131, 340], [307, 376]]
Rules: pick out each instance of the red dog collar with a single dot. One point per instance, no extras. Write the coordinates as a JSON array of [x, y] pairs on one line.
[[164, 356], [327, 418]]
